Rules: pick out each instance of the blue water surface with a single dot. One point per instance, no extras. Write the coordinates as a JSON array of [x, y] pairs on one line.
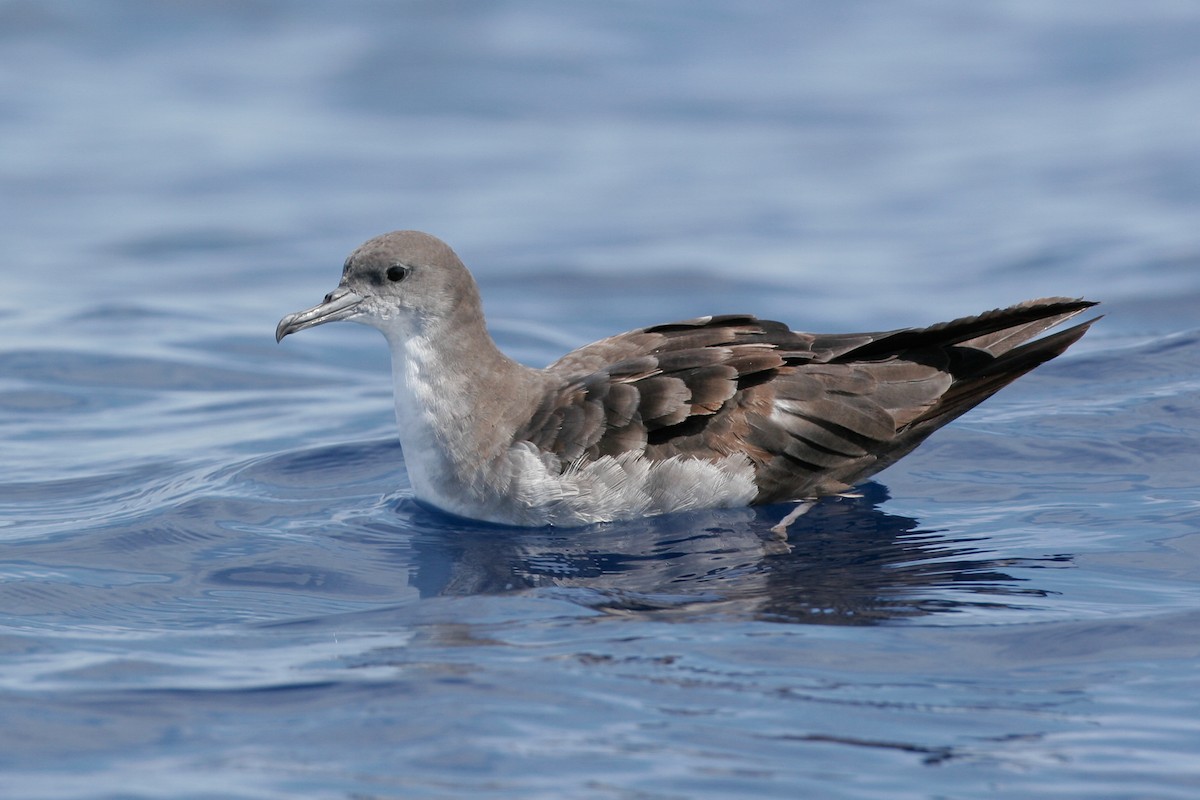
[[214, 582]]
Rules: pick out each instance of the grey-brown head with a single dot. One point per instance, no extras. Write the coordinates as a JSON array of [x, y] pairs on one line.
[[395, 281]]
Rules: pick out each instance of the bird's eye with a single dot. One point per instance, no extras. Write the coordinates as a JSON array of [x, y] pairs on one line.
[[397, 273]]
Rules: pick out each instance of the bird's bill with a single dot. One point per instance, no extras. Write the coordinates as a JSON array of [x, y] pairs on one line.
[[341, 303]]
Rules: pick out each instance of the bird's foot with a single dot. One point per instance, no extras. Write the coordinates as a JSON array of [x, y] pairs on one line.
[[780, 531]]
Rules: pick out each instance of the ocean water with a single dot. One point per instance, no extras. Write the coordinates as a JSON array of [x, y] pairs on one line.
[[214, 582]]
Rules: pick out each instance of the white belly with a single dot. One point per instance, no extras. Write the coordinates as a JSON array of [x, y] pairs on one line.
[[604, 490]]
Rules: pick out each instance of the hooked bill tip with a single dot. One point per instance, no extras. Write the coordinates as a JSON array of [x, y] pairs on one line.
[[283, 328]]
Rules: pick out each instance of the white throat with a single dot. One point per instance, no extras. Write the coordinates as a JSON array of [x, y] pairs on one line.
[[453, 422], [428, 410]]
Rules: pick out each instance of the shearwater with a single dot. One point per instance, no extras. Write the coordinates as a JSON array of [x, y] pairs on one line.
[[716, 411]]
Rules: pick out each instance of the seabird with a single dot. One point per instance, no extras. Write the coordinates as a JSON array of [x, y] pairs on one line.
[[716, 411]]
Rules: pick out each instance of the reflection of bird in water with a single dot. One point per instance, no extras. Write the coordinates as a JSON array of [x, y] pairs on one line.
[[710, 412], [850, 563]]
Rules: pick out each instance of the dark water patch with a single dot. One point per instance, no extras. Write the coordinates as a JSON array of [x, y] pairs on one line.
[[932, 756], [35, 401], [344, 466], [124, 312], [163, 246], [71, 402], [281, 577], [1160, 359], [44, 497], [101, 370], [83, 596]]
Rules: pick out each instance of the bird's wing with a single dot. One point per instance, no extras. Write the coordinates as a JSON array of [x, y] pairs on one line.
[[812, 412], [643, 389]]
